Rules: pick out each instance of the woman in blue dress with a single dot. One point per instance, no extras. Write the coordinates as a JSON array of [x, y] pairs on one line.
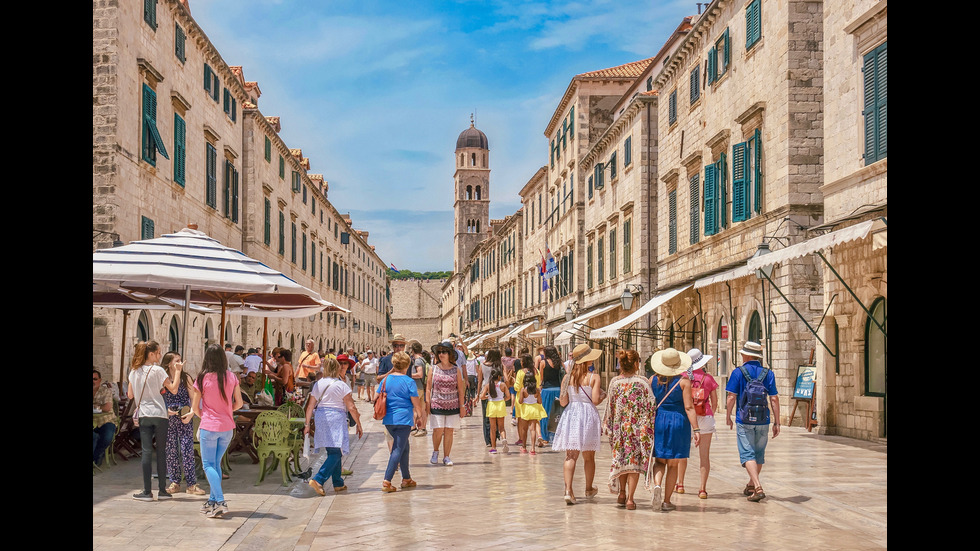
[[675, 417]]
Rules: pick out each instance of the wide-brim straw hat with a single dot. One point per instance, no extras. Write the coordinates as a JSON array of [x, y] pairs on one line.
[[398, 338], [751, 348], [585, 353], [453, 354], [698, 359], [669, 362]]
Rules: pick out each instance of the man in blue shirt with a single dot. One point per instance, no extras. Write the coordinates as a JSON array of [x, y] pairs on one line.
[[398, 343], [752, 419]]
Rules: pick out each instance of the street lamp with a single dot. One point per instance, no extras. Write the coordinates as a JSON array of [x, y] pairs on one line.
[[626, 299], [357, 327], [569, 313], [537, 323], [343, 322], [764, 272]]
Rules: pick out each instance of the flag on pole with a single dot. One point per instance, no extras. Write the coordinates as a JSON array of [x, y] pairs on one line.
[[541, 269], [551, 269], [393, 268]]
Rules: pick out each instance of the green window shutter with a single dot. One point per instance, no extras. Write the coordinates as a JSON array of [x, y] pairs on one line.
[[234, 194], [600, 262], [740, 210], [180, 40], [710, 199], [282, 237], [234, 109], [215, 86], [226, 190], [293, 244], [552, 153], [627, 246], [211, 187], [672, 108], [695, 215], [695, 84], [722, 173], [150, 13], [268, 150], [612, 254], [312, 258], [146, 228], [207, 78], [727, 57], [875, 104], [753, 23], [282, 168], [571, 124], [672, 222], [588, 270], [226, 101], [590, 187], [757, 171], [628, 151], [612, 166], [304, 252], [712, 65], [267, 225], [153, 142], [180, 150]]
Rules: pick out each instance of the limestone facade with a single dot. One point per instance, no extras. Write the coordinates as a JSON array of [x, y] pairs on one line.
[[415, 309], [208, 168]]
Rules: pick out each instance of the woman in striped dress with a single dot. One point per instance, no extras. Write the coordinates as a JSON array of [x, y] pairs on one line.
[[447, 389]]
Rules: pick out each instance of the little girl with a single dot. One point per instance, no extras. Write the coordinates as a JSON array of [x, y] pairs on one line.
[[531, 411], [496, 391]]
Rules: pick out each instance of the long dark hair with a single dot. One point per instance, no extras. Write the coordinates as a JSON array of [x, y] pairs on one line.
[[551, 353], [531, 384], [527, 362], [215, 362], [493, 357], [168, 359], [495, 375]]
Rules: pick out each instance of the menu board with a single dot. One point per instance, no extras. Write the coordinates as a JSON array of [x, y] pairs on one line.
[[806, 376]]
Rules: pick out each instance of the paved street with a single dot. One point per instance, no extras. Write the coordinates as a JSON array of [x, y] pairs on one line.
[[823, 492]]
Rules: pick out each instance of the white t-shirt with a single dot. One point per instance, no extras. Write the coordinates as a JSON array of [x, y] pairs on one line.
[[253, 363], [471, 366], [151, 404], [332, 391], [235, 362], [486, 368], [369, 365]]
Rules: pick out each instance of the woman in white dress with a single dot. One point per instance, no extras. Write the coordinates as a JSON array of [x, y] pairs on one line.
[[578, 427]]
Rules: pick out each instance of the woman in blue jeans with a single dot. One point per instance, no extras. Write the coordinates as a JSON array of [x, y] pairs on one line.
[[218, 396], [403, 410], [330, 400]]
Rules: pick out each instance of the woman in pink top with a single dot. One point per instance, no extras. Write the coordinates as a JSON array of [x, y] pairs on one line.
[[706, 418], [218, 396]]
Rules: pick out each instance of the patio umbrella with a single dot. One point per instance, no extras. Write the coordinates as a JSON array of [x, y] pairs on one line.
[[191, 266]]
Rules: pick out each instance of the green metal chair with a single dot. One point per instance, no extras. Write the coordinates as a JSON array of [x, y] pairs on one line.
[[198, 462], [273, 438], [294, 410]]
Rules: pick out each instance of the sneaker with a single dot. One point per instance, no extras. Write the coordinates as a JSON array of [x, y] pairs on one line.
[[447, 462], [195, 490], [174, 488], [223, 506], [215, 512], [420, 432], [493, 451], [519, 443], [163, 494], [346, 472], [208, 505], [513, 422], [658, 498], [435, 458], [143, 496]]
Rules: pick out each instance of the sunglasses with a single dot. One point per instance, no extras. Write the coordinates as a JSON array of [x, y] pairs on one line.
[[96, 379]]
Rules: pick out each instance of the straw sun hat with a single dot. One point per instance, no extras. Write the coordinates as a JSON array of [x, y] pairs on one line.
[[669, 362], [585, 353], [751, 348], [698, 359]]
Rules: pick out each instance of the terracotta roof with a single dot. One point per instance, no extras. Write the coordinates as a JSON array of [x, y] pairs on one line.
[[628, 70]]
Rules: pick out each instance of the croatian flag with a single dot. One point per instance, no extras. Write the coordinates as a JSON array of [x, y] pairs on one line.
[[541, 270], [551, 269], [393, 268]]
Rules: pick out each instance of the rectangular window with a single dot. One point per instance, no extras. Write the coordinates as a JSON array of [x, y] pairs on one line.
[[715, 196], [600, 265], [540, 210], [627, 246], [753, 23], [336, 276], [304, 195], [571, 122], [695, 84], [282, 168], [268, 150], [612, 254], [230, 105], [552, 153], [282, 233], [267, 225], [304, 252], [695, 216], [152, 142], [180, 150], [211, 183], [590, 186], [296, 185], [180, 42], [747, 178], [292, 243], [719, 57], [599, 174], [875, 112], [146, 228], [672, 221], [612, 166], [627, 151], [150, 13], [672, 108], [208, 80]]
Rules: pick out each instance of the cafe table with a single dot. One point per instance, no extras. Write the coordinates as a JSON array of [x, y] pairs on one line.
[[242, 440]]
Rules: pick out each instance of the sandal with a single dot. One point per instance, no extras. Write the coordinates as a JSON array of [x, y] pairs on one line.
[[387, 487], [757, 495], [679, 488], [409, 483], [621, 499], [749, 490], [591, 492], [703, 494], [630, 505]]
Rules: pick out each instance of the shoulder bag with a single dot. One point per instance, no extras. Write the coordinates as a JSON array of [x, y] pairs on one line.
[[381, 401], [136, 410]]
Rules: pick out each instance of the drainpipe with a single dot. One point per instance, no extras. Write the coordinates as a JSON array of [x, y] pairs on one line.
[[652, 261]]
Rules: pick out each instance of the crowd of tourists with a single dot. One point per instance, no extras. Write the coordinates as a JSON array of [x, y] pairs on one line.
[[651, 422]]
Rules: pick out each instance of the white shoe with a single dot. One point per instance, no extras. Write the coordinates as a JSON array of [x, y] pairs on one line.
[[435, 458], [447, 462], [506, 447], [658, 498]]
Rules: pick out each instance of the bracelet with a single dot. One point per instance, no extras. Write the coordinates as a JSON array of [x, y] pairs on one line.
[[697, 430]]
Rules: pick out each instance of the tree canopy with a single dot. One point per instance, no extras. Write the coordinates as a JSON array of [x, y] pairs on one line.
[[408, 274]]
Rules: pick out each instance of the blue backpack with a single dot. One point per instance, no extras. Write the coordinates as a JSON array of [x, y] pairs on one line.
[[753, 407]]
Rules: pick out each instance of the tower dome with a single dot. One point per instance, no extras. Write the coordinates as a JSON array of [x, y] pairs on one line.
[[472, 137]]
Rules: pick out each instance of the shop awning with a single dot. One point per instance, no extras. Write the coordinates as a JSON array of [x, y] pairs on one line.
[[578, 330], [858, 231], [539, 334], [486, 336], [517, 330], [472, 338], [584, 318], [611, 331], [734, 273]]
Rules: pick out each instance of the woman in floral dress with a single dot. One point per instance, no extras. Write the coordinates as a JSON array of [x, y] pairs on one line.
[[629, 420]]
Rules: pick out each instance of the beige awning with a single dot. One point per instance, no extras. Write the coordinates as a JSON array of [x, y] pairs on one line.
[[539, 334], [517, 330], [582, 319], [850, 233], [611, 331], [486, 336], [734, 273]]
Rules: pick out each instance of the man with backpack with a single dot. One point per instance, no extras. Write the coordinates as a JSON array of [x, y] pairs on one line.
[[749, 385]]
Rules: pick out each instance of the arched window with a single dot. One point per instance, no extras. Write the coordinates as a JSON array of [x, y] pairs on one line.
[[462, 159], [477, 226], [174, 334], [469, 192], [207, 333], [478, 192], [484, 160], [143, 327], [876, 351], [472, 159], [228, 335], [755, 328]]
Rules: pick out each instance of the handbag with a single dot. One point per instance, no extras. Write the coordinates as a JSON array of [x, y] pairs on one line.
[[136, 410], [381, 401]]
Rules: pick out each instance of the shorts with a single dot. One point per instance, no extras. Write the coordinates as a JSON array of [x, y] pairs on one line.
[[752, 440], [421, 388], [706, 423], [437, 421], [371, 380]]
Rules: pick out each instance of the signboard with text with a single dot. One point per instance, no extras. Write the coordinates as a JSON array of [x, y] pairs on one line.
[[805, 378]]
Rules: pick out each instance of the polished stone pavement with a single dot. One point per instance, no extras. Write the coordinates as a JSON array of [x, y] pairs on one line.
[[823, 492]]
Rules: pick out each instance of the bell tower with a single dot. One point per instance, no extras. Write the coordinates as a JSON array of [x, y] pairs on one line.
[[472, 187]]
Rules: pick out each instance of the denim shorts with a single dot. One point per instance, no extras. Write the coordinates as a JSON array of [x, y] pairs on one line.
[[752, 440]]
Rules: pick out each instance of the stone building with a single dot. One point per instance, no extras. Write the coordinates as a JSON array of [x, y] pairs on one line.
[[171, 148], [415, 309], [472, 193]]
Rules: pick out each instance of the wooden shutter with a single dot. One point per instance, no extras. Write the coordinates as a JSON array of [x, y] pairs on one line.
[[179, 43], [739, 181], [722, 206], [695, 85], [612, 254], [267, 226], [757, 171], [710, 199], [146, 228], [727, 53], [628, 151], [571, 124], [226, 190], [672, 108], [588, 271], [215, 86], [712, 65], [875, 104], [695, 214], [612, 166], [627, 246], [753, 23], [672, 222], [234, 194], [180, 151], [207, 78], [211, 189]]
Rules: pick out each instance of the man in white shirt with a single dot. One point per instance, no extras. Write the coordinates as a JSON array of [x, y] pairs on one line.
[[253, 362], [369, 367], [235, 362]]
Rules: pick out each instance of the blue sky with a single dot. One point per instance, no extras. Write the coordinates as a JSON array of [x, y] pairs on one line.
[[375, 93]]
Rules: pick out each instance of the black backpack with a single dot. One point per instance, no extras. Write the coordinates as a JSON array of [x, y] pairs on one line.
[[753, 406]]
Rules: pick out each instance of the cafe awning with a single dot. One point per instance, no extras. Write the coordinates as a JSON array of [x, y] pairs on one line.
[[517, 330], [539, 334], [727, 275], [611, 331], [584, 318], [486, 336], [850, 233], [577, 330]]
